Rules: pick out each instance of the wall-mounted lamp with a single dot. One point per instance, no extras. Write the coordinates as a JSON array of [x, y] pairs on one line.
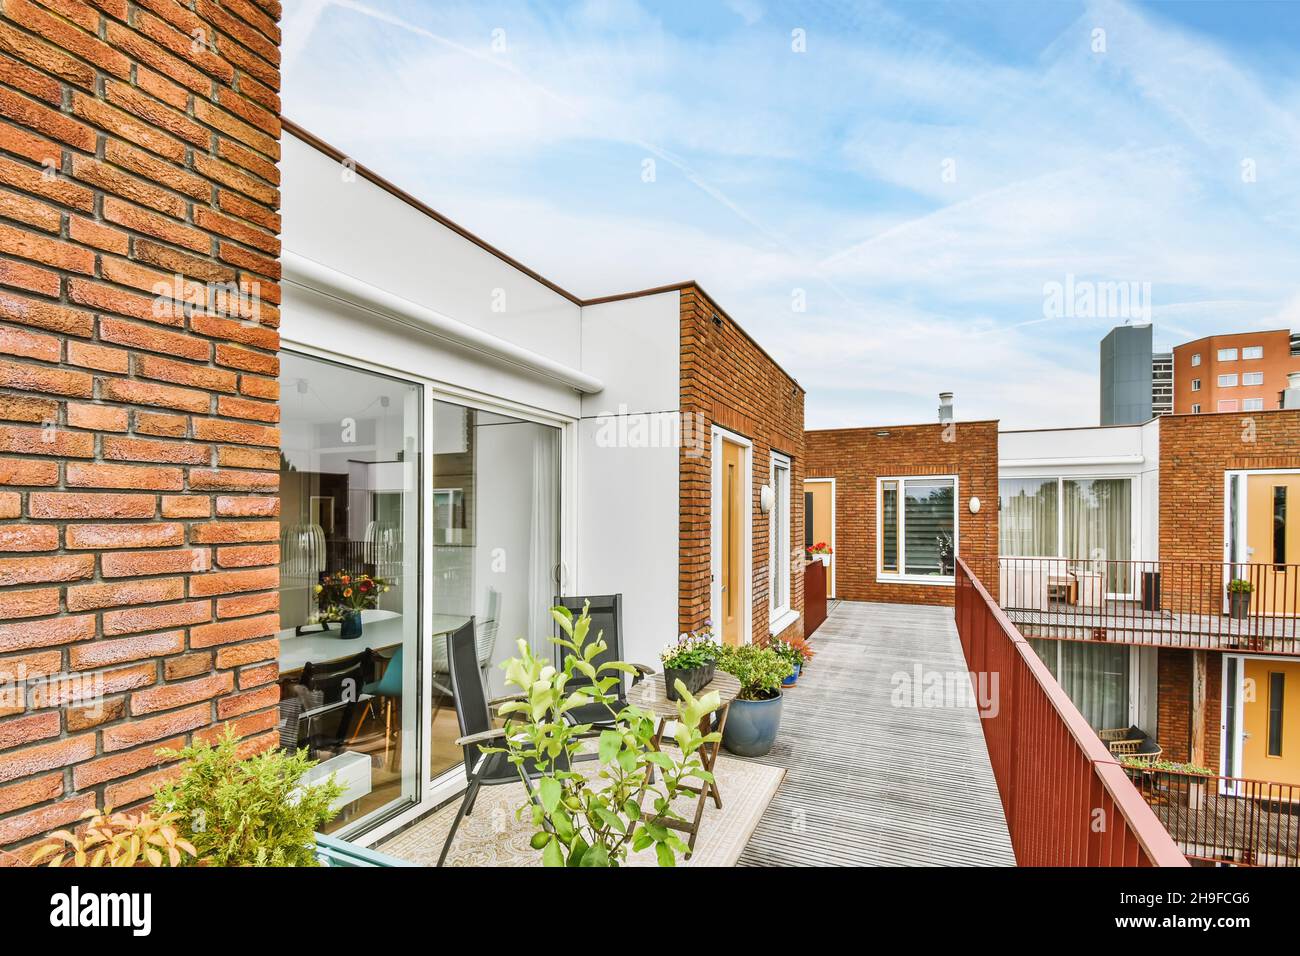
[[766, 499], [974, 505]]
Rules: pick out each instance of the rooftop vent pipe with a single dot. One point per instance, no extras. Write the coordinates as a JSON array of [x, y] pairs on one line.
[[945, 407]]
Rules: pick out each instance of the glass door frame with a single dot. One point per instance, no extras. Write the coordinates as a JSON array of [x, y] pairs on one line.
[[1135, 518], [434, 790]]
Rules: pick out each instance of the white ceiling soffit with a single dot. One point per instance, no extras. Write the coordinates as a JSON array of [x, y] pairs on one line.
[[312, 275]]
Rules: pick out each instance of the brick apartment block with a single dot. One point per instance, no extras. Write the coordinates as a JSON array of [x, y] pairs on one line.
[[1195, 451], [728, 380], [139, 451], [856, 457]]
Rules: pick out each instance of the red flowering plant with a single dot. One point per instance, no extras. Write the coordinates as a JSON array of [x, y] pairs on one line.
[[340, 591], [821, 547]]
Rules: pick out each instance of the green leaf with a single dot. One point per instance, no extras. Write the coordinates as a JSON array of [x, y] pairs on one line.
[[611, 819], [550, 791], [611, 741], [632, 810], [552, 855], [666, 856], [596, 856], [641, 840], [563, 825]]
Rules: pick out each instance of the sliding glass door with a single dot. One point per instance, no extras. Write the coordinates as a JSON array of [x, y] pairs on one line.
[[402, 517], [350, 580], [496, 548], [1085, 520]]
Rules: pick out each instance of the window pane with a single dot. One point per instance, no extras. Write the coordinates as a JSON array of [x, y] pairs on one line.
[[1279, 525], [495, 548], [1098, 525], [1276, 692], [889, 526], [1096, 679], [351, 456], [780, 547], [1047, 652], [929, 542], [1027, 521]]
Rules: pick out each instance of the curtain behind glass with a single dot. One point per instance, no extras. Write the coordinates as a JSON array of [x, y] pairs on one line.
[[1027, 521], [929, 542], [1095, 677], [1099, 525]]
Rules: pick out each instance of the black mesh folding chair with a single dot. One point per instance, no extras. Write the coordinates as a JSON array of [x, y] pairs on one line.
[[333, 701], [607, 621], [474, 716]]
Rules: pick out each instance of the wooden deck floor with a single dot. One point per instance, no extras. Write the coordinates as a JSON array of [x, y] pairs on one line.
[[873, 784]]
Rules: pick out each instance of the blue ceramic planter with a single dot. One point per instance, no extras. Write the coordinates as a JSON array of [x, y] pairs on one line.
[[794, 677], [350, 628], [752, 726]]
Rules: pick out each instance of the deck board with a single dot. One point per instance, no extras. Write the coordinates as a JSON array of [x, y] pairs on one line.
[[869, 783]]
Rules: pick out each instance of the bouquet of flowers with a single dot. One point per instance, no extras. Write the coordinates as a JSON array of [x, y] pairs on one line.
[[339, 592], [821, 547]]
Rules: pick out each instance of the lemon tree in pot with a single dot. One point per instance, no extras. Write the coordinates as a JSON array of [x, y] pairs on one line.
[[755, 715]]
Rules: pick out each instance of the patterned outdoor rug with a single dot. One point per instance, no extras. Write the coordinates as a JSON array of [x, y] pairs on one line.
[[491, 836]]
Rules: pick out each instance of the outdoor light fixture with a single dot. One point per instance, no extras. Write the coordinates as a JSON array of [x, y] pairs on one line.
[[882, 434], [766, 499], [974, 505]]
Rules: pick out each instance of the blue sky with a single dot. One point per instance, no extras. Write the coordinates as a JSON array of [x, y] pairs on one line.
[[885, 208]]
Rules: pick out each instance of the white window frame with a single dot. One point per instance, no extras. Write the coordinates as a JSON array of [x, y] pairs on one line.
[[1196, 409], [780, 586], [1256, 353], [1134, 676], [1253, 379], [1134, 506], [1252, 404], [1196, 385], [1227, 355], [1228, 405], [1196, 359], [1227, 380], [884, 577]]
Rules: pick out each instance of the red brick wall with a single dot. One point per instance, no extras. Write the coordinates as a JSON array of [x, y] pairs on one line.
[[728, 380], [1174, 705], [855, 457], [138, 455]]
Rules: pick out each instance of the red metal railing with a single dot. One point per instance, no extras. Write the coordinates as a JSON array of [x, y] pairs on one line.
[[1066, 799], [1160, 603], [1225, 819]]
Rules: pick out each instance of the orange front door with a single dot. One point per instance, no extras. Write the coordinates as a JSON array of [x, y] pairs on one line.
[[821, 523], [1270, 746], [734, 558], [1273, 539]]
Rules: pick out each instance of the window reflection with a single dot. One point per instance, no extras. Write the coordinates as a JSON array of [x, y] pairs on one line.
[[349, 579]]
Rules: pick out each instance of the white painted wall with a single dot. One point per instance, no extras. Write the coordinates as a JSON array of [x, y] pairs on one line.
[[1131, 451], [627, 511], [357, 228]]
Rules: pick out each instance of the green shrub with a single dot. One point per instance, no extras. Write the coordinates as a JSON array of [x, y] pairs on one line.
[[1167, 765], [251, 812], [1240, 586], [760, 670]]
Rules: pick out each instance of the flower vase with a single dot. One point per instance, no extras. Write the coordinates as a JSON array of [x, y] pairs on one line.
[[350, 627]]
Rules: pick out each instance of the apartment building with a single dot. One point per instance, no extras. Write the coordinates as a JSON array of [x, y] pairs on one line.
[[239, 365], [1236, 372]]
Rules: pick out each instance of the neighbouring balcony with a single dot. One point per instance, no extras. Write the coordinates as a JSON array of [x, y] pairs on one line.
[[1193, 604], [1225, 819]]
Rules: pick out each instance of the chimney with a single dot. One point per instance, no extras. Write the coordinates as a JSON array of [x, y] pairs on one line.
[[1291, 397], [945, 407]]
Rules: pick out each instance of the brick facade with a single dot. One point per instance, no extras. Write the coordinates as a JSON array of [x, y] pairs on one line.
[[1195, 452], [856, 457], [728, 380], [139, 452]]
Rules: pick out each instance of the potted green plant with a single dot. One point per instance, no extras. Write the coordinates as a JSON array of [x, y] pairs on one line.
[[755, 715], [1239, 591], [797, 652], [594, 818], [344, 596], [253, 811], [692, 659]]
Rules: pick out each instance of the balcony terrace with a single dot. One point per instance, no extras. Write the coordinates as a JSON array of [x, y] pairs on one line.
[[1182, 604]]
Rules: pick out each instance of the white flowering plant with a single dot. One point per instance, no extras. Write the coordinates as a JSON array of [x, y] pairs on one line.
[[691, 649]]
